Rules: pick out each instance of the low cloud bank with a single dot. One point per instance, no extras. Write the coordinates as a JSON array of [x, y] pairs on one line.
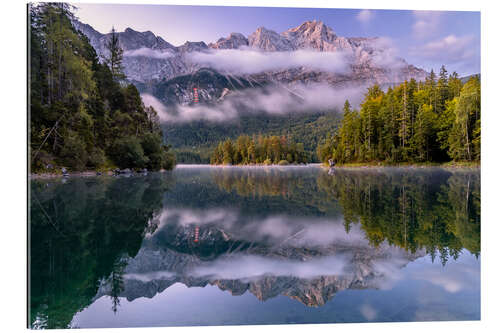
[[251, 61], [275, 229], [248, 267], [273, 101], [148, 53], [386, 55]]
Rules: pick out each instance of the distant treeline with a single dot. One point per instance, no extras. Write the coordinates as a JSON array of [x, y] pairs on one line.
[[437, 120], [259, 150], [195, 141], [83, 114]]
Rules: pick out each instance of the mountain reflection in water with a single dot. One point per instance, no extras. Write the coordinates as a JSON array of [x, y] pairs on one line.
[[288, 236]]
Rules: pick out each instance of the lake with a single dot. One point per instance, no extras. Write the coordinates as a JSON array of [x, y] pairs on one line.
[[208, 245]]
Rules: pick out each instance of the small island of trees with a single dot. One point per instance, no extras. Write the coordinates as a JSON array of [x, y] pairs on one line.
[[259, 150]]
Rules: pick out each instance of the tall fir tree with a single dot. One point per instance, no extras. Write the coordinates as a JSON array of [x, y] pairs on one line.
[[115, 56]]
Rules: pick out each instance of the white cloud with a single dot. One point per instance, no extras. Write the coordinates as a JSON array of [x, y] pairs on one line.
[[251, 61], [278, 100], [276, 229], [248, 267], [365, 16], [450, 49], [386, 54], [426, 23], [161, 110], [149, 276], [148, 53]]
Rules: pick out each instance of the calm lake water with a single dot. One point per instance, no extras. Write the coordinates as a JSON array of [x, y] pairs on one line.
[[255, 245]]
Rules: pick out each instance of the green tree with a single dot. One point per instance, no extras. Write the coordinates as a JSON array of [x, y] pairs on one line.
[[128, 153], [115, 57], [78, 108], [424, 132], [412, 121], [467, 122]]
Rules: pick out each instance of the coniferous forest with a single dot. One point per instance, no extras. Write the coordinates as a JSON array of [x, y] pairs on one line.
[[433, 121], [83, 114], [259, 150]]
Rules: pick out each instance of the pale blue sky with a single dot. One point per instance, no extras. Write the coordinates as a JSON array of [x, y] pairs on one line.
[[425, 39]]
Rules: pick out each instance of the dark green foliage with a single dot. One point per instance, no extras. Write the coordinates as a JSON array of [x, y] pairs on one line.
[[193, 142], [73, 152], [79, 110], [128, 153], [413, 122], [80, 232], [435, 210], [259, 150], [156, 152], [431, 209], [169, 160]]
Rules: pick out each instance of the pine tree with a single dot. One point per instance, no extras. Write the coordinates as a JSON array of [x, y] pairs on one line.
[[442, 90], [404, 125], [79, 113], [405, 122], [115, 58], [424, 132]]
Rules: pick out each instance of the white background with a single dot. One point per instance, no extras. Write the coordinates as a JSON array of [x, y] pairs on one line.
[[13, 170]]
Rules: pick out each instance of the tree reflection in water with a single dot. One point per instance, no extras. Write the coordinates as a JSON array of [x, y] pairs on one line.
[[92, 237]]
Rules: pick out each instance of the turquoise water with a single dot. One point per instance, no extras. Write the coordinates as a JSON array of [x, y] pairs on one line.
[[255, 245]]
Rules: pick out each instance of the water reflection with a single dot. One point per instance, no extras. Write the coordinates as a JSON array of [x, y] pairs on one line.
[[293, 232]]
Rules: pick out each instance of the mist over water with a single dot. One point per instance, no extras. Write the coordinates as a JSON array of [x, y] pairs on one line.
[[206, 245]]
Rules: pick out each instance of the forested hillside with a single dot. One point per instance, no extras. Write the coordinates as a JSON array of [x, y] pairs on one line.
[[433, 121], [82, 113], [194, 142]]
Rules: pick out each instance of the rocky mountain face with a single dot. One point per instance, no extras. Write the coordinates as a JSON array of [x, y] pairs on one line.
[[146, 57], [171, 255], [269, 40], [316, 35], [149, 58], [233, 41], [211, 86]]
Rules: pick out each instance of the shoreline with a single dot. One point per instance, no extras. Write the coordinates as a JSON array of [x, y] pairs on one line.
[[70, 174], [350, 166], [87, 173], [447, 165]]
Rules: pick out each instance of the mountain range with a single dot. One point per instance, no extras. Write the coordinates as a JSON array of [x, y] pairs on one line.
[[265, 83], [219, 256], [150, 58]]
